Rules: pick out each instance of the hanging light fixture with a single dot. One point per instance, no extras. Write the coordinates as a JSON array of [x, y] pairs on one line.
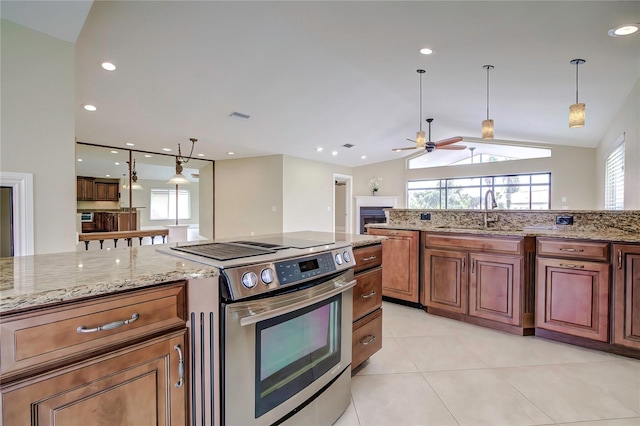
[[576, 111], [421, 137], [178, 178], [134, 178], [487, 125]]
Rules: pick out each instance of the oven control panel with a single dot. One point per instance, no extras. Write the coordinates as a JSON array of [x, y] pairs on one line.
[[261, 278]]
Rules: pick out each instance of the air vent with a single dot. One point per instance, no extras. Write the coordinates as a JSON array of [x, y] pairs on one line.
[[240, 115], [348, 145]]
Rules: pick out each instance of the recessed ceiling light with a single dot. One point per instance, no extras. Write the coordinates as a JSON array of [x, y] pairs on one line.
[[231, 153], [108, 66], [148, 155], [79, 159], [130, 144], [166, 149], [200, 155], [334, 153], [623, 30], [108, 175], [363, 157], [427, 51], [116, 163], [113, 151], [89, 107], [319, 149]]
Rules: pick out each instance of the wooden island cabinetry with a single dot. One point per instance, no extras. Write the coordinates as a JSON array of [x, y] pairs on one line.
[[367, 304], [572, 287], [116, 359], [481, 279], [626, 296], [400, 269]]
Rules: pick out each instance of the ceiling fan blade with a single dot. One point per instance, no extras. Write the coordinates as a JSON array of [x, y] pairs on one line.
[[449, 141], [404, 149], [453, 147], [411, 140]]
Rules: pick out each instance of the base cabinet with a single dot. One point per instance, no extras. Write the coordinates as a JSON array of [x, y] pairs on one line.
[[626, 295], [446, 280], [133, 386], [400, 266]]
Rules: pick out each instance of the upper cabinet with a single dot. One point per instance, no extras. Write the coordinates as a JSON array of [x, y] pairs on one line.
[[85, 188], [88, 189]]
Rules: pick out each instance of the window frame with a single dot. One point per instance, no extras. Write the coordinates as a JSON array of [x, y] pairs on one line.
[[613, 189], [170, 212]]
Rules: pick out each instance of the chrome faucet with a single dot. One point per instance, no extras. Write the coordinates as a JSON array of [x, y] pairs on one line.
[[487, 221]]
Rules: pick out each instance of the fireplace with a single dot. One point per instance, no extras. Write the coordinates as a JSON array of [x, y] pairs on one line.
[[371, 214]]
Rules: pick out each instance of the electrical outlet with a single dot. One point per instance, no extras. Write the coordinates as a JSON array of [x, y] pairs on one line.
[[425, 216], [564, 220]]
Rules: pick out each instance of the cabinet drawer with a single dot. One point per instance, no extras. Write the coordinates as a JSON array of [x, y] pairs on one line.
[[482, 243], [560, 247], [367, 257], [367, 294], [49, 336], [367, 337]]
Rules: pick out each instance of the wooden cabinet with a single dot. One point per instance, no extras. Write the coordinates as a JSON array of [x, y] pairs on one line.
[[367, 303], [626, 295], [105, 222], [400, 264], [123, 221], [116, 359], [85, 188], [572, 293], [107, 191], [481, 279]]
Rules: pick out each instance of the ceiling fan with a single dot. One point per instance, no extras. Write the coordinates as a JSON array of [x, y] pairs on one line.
[[421, 140]]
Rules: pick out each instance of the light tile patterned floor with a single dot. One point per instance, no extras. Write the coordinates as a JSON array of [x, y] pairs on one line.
[[436, 371]]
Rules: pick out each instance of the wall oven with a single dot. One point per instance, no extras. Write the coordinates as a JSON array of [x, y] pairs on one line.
[[282, 349]]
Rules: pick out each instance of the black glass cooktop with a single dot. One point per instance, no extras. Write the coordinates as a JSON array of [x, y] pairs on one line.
[[223, 251]]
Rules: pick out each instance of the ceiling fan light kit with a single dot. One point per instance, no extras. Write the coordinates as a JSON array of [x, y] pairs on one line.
[[487, 125], [577, 110]]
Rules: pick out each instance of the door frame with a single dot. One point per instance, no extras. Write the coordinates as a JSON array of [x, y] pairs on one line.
[[22, 185], [348, 205]]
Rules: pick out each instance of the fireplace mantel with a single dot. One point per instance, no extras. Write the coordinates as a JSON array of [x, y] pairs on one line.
[[373, 201]]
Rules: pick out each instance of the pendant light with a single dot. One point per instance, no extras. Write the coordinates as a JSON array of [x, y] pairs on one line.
[[134, 178], [487, 125], [178, 178], [421, 137], [576, 111]]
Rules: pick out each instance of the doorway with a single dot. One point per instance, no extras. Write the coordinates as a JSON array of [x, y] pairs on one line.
[[6, 221], [342, 190]]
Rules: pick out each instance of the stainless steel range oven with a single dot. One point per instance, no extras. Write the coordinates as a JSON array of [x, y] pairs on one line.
[[285, 329]]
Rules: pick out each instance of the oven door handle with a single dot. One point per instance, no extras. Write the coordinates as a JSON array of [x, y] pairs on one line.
[[339, 287]]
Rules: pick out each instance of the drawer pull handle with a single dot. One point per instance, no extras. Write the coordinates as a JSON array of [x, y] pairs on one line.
[[371, 339], [572, 250], [367, 296], [180, 367], [571, 265], [366, 259], [110, 326]]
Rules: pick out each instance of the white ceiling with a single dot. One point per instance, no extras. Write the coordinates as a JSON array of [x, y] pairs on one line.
[[329, 73]]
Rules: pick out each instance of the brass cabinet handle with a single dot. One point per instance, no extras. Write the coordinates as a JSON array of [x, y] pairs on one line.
[[619, 259], [571, 265], [371, 339], [180, 367], [109, 326], [572, 250], [366, 296], [366, 259]]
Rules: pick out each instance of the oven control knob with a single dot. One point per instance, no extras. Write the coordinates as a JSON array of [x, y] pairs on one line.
[[249, 279], [339, 259], [346, 256], [267, 275]]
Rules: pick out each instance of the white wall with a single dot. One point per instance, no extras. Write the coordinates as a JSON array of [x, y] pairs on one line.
[[627, 122], [207, 202], [246, 191], [38, 132], [308, 194], [393, 180]]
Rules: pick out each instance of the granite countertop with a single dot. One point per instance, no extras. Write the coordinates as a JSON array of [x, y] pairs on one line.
[[613, 235], [41, 280]]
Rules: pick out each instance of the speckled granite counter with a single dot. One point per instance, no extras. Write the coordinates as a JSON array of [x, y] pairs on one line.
[[615, 226], [46, 279], [32, 281]]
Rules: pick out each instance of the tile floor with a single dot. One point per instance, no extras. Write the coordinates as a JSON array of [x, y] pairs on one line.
[[436, 371]]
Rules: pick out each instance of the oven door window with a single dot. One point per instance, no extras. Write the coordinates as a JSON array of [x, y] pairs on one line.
[[294, 350]]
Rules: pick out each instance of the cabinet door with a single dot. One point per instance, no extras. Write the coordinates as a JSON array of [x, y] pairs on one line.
[[113, 192], [133, 386], [399, 264], [494, 287], [445, 280], [572, 297], [626, 296]]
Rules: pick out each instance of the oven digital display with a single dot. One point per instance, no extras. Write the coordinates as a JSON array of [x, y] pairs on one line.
[[308, 265]]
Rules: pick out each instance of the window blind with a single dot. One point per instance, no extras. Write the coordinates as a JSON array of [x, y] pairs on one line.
[[614, 179]]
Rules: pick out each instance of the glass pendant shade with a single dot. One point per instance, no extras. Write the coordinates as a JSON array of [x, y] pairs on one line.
[[421, 139], [178, 179], [487, 129], [576, 115]]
